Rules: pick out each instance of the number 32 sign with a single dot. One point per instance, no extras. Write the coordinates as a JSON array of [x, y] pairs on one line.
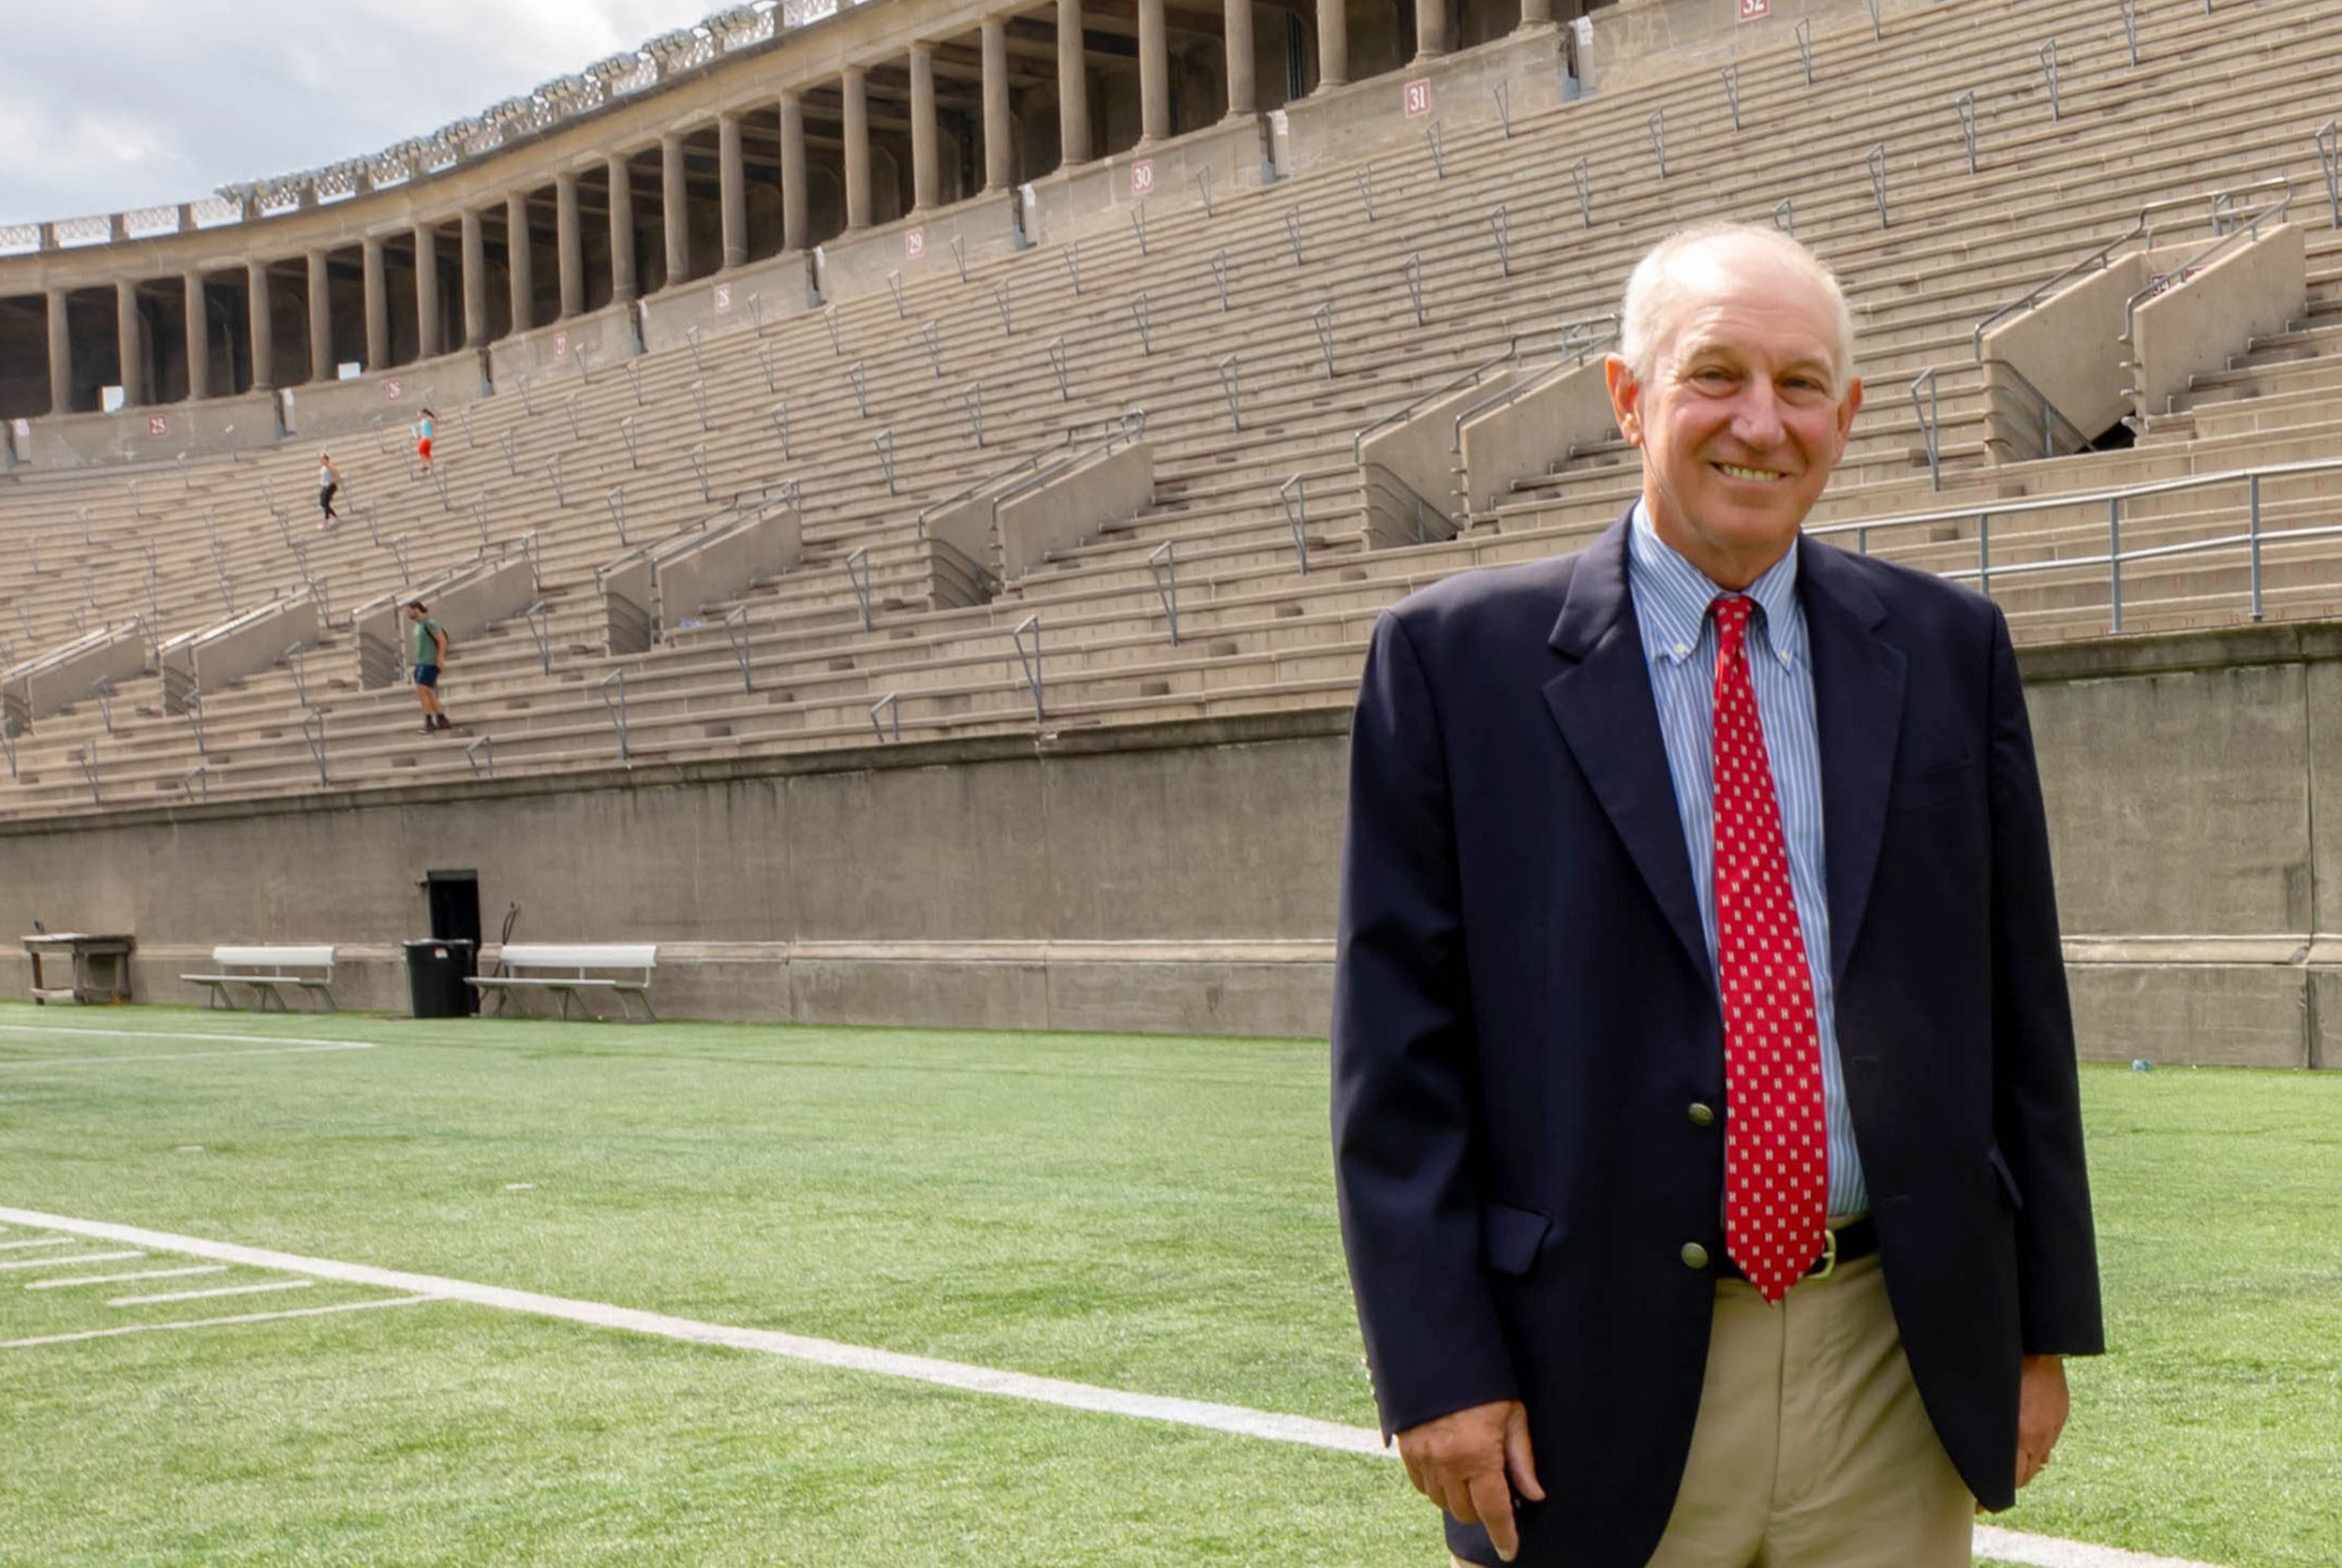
[[1754, 10]]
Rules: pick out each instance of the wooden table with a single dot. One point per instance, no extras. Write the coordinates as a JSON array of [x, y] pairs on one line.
[[101, 966]]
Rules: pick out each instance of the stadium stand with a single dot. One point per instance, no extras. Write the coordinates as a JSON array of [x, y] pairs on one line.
[[1171, 464]]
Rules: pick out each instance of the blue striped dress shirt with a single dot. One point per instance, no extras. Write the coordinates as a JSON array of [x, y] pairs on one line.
[[1671, 599]]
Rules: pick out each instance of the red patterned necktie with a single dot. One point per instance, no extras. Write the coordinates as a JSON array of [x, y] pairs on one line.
[[1776, 1148]]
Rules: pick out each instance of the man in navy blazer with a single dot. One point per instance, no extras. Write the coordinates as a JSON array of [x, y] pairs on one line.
[[1530, 1056]]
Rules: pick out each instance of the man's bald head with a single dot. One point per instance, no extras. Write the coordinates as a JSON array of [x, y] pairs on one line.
[[1695, 262]]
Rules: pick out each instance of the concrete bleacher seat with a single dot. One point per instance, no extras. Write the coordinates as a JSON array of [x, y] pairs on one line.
[[624, 457]]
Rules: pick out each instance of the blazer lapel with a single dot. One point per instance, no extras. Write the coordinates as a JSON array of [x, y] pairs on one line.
[[1606, 712], [1858, 713]]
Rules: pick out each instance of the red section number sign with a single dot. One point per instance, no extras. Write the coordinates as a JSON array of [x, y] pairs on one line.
[[723, 299], [1752, 10], [394, 388], [1419, 94], [1142, 176], [914, 244], [158, 425]]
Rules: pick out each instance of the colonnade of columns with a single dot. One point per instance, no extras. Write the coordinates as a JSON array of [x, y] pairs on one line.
[[1077, 145]]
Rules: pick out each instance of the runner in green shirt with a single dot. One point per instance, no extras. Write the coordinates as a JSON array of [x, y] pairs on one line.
[[430, 653]]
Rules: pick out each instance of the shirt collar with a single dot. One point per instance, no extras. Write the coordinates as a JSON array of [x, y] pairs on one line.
[[1671, 597]]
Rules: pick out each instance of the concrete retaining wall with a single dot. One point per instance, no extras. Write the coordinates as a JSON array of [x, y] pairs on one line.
[[1565, 407], [1183, 876], [1067, 509], [2197, 324]]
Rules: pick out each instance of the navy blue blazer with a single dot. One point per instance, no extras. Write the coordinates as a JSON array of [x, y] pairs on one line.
[[1524, 1016]]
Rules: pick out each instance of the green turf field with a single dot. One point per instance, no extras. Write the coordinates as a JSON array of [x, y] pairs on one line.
[[1136, 1213]]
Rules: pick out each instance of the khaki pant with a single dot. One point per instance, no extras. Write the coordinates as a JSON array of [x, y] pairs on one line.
[[1812, 1449]]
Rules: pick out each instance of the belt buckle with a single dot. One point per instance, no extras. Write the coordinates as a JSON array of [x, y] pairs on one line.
[[1829, 1264]]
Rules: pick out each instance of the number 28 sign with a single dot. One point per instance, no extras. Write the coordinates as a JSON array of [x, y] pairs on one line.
[[1755, 10]]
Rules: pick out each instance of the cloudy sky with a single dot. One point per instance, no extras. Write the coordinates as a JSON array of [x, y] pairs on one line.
[[111, 104]]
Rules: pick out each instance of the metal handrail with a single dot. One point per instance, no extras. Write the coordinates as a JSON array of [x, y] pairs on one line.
[[1928, 414], [888, 704], [1509, 354], [2143, 231], [1131, 423], [2204, 257], [1420, 504], [737, 630], [2054, 421], [858, 576], [616, 709], [1163, 565], [1293, 496], [481, 755], [313, 731], [1032, 663], [1575, 350]]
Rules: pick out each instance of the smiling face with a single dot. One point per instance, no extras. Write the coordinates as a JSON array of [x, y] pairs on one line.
[[1744, 415]]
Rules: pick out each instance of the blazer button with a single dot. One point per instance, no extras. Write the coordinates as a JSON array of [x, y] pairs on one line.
[[1702, 1115], [1695, 1255]]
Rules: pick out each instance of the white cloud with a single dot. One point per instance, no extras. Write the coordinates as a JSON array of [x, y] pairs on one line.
[[111, 104]]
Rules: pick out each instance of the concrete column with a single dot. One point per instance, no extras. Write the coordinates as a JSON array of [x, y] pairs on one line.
[[1243, 92], [733, 184], [1072, 86], [857, 149], [1333, 44], [568, 245], [1430, 29], [674, 207], [520, 268], [427, 339], [199, 337], [60, 356], [378, 308], [127, 345], [475, 279], [793, 208], [263, 326], [1535, 13], [922, 169], [320, 320], [621, 229], [1000, 151], [1154, 72]]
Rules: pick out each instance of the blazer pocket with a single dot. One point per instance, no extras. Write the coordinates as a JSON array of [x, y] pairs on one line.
[[1935, 786], [1511, 1238], [2008, 1177]]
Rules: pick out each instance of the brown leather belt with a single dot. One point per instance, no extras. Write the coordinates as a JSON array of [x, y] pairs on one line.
[[1856, 1238]]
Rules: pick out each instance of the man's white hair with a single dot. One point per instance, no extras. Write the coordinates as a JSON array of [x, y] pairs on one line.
[[1655, 294]]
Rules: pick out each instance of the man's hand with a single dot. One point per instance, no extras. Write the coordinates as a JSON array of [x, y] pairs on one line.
[[1470, 1462], [2041, 1409]]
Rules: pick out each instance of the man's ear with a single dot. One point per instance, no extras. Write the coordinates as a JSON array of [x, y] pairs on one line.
[[1846, 411], [1626, 398]]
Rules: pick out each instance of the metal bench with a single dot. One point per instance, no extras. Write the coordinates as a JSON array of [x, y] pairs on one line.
[[266, 969], [567, 970]]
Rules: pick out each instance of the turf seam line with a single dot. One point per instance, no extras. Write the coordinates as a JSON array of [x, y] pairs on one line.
[[2035, 1552]]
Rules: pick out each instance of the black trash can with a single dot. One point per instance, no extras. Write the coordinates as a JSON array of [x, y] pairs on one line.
[[435, 977]]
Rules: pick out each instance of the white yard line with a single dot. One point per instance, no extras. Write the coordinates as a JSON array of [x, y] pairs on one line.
[[133, 1059], [2036, 1552], [134, 1274], [199, 1296], [211, 1322], [45, 1241], [60, 1262]]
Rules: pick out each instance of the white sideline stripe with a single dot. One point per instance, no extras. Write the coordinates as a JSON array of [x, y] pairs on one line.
[[2047, 1551], [133, 1059], [199, 1296], [2036, 1552], [134, 1274], [59, 1262], [213, 1322], [825, 1352], [166, 1034], [47, 1241]]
